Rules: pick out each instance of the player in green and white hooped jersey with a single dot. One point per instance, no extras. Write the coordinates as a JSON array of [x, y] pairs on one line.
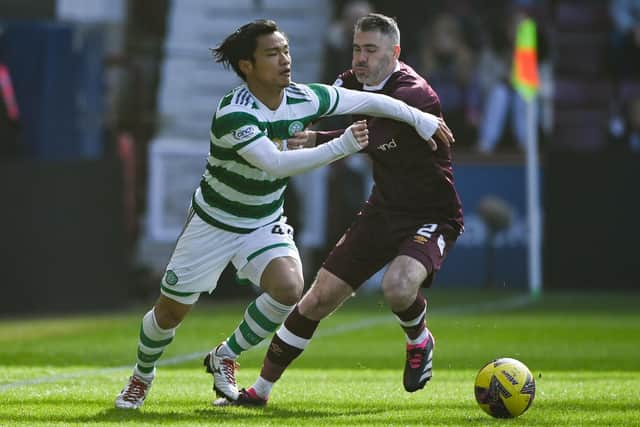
[[236, 212]]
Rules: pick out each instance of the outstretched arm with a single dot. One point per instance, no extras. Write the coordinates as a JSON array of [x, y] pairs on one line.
[[264, 154], [427, 125]]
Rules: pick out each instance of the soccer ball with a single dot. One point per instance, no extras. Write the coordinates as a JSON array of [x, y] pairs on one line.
[[505, 388]]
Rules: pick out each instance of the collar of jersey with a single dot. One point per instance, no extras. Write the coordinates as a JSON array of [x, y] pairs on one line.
[[263, 106]]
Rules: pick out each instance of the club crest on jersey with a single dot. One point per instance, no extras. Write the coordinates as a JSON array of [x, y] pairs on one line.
[[245, 132], [295, 127], [387, 145], [171, 278]]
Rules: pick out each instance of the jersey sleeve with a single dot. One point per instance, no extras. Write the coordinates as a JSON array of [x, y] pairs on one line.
[[236, 129], [292, 162], [327, 98], [424, 99]]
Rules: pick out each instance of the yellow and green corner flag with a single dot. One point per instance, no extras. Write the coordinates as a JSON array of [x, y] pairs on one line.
[[525, 60]]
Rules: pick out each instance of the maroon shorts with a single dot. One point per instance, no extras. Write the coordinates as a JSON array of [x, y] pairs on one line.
[[376, 237]]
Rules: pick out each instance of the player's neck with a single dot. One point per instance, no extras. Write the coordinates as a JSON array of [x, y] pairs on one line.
[[270, 96]]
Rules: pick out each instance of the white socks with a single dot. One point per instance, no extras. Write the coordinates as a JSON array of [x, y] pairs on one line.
[[261, 319], [262, 387], [152, 342]]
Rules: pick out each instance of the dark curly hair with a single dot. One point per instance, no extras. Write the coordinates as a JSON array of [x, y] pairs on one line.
[[242, 43]]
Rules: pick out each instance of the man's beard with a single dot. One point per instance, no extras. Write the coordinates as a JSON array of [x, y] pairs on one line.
[[374, 77]]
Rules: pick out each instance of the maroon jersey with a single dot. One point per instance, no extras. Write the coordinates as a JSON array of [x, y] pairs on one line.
[[409, 177]]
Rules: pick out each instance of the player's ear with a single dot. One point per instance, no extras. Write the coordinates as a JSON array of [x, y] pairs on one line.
[[396, 51], [245, 66]]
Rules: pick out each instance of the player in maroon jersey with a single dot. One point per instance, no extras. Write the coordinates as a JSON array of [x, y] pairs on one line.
[[411, 220]]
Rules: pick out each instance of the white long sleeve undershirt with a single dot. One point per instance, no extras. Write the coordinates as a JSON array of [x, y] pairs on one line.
[[265, 155], [358, 102]]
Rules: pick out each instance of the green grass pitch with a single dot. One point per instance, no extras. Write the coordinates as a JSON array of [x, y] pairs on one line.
[[583, 349]]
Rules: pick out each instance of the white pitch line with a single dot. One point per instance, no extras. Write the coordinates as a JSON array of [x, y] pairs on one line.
[[508, 304]]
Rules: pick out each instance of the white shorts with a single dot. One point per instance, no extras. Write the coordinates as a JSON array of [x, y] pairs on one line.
[[203, 251]]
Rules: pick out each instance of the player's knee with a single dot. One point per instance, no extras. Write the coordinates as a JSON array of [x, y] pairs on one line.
[[169, 313], [399, 288], [282, 279], [289, 290]]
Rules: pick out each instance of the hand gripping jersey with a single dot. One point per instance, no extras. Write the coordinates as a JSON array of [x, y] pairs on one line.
[[235, 194]]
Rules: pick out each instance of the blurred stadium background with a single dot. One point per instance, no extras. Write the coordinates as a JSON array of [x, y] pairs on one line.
[[104, 130]]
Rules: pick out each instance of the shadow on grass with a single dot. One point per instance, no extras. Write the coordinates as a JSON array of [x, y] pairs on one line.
[[318, 413], [327, 413], [226, 416], [323, 413]]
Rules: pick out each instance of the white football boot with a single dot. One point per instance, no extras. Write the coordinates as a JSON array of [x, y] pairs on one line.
[[133, 394], [223, 370]]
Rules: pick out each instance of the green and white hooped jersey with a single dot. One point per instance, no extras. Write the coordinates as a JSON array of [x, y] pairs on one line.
[[234, 195]]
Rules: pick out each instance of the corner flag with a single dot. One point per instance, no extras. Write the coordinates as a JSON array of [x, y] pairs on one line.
[[524, 78], [524, 75]]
